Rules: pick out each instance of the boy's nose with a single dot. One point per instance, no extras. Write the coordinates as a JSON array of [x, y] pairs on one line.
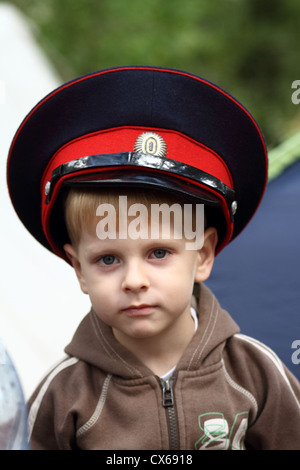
[[135, 278]]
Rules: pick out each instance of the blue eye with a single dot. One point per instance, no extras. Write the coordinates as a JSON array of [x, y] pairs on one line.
[[107, 260], [159, 253]]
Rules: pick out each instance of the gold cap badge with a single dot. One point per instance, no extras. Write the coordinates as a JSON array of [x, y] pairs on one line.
[[151, 143]]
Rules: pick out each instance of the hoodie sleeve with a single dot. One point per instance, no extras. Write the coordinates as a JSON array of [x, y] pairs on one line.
[[276, 425], [51, 426]]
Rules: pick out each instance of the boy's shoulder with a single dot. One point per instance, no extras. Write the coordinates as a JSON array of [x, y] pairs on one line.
[[255, 365], [251, 347]]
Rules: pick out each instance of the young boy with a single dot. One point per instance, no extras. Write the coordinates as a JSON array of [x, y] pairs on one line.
[[157, 363]]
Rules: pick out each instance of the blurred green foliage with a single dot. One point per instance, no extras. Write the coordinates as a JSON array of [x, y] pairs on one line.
[[249, 47]]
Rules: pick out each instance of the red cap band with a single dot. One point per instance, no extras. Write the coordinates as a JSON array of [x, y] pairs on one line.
[[180, 148]]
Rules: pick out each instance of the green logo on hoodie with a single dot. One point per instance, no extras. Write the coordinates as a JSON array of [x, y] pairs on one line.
[[216, 433]]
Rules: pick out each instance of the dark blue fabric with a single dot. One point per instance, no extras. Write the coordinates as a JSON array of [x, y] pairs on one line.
[[257, 277]]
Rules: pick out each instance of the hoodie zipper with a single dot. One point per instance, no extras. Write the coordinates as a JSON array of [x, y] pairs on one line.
[[168, 403]]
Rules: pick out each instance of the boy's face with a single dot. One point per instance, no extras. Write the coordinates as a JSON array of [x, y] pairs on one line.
[[141, 288]]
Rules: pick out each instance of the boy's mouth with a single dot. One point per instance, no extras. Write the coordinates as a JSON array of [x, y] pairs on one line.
[[138, 310]]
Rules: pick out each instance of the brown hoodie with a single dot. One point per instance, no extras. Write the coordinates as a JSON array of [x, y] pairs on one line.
[[228, 392]]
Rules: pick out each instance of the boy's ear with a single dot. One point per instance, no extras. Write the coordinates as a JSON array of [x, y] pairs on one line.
[[73, 257], [206, 255]]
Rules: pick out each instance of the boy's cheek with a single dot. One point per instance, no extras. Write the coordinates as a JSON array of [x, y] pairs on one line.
[[83, 285]]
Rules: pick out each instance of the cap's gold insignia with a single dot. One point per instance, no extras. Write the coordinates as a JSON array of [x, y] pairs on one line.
[[151, 143]]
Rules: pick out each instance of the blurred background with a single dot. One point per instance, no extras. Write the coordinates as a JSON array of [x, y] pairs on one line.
[[248, 47]]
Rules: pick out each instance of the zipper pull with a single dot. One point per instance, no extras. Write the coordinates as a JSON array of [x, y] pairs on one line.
[[167, 392]]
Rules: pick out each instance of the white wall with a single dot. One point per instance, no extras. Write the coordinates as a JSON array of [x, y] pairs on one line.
[[40, 301]]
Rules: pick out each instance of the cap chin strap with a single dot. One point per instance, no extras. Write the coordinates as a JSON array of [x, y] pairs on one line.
[[84, 169]]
